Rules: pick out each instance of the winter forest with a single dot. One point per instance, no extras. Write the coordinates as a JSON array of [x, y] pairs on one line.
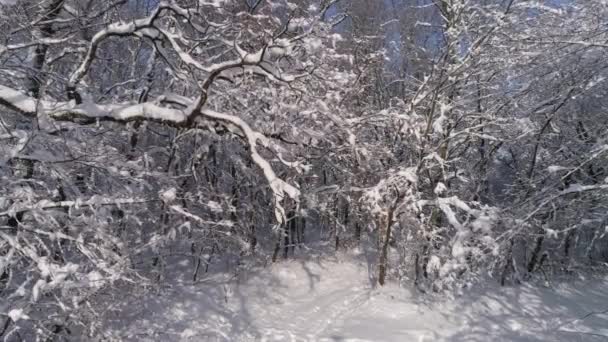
[[176, 151]]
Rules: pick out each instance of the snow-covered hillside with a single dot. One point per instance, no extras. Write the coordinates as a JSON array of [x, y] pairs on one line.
[[332, 300]]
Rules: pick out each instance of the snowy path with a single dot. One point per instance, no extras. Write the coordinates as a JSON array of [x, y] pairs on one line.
[[333, 301]]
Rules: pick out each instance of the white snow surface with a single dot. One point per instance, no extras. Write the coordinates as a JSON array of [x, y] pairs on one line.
[[332, 300]]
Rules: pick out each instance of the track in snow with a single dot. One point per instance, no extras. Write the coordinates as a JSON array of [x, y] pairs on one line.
[[304, 301]]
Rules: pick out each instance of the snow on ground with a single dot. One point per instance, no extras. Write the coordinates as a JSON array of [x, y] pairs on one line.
[[333, 300]]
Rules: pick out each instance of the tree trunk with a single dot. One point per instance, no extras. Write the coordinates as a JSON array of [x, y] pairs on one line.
[[383, 262], [536, 253]]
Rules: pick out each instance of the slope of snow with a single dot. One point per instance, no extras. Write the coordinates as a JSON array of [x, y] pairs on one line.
[[333, 300]]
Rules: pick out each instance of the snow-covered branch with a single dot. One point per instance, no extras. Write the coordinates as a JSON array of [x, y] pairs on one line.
[[151, 111], [91, 202]]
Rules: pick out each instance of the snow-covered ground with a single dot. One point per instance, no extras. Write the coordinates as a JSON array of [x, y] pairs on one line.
[[333, 300]]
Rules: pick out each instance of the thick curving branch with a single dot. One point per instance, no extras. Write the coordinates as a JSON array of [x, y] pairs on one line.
[[171, 109], [92, 202], [279, 187], [153, 111]]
